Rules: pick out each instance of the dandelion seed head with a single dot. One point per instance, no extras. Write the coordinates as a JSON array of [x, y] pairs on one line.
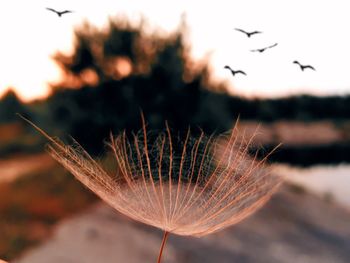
[[186, 185]]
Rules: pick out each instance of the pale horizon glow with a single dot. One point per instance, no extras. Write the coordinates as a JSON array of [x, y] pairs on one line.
[[312, 32]]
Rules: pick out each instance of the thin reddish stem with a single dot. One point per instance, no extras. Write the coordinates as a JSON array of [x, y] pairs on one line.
[[165, 237]]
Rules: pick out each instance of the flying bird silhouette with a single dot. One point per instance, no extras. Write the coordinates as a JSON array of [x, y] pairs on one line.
[[234, 72], [263, 49], [249, 34], [302, 67], [59, 13]]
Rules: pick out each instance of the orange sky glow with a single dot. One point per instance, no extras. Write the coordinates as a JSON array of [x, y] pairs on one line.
[[312, 32]]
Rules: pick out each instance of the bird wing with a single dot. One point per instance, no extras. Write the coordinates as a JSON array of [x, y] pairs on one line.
[[255, 32], [300, 66], [255, 50], [310, 67], [241, 30], [66, 12], [52, 10], [240, 71], [272, 45]]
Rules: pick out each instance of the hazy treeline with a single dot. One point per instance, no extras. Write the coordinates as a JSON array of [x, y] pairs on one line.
[[115, 73], [302, 108]]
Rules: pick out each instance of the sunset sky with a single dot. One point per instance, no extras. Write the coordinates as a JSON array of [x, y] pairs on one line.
[[314, 32]]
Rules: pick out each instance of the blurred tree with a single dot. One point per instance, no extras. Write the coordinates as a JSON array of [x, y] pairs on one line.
[[10, 104], [113, 74], [116, 72]]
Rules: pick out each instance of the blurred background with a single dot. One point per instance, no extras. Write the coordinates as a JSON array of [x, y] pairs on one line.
[[92, 71]]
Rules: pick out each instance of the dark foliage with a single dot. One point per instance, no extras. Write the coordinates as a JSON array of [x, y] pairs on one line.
[[9, 105], [113, 75], [116, 73]]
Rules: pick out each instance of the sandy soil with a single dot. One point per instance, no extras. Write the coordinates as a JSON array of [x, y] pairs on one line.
[[12, 168], [293, 227]]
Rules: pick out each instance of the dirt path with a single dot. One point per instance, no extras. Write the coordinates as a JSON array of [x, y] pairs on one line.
[[16, 166], [292, 227]]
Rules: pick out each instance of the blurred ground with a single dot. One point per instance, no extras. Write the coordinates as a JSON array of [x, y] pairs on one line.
[[293, 227], [36, 194], [16, 166]]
